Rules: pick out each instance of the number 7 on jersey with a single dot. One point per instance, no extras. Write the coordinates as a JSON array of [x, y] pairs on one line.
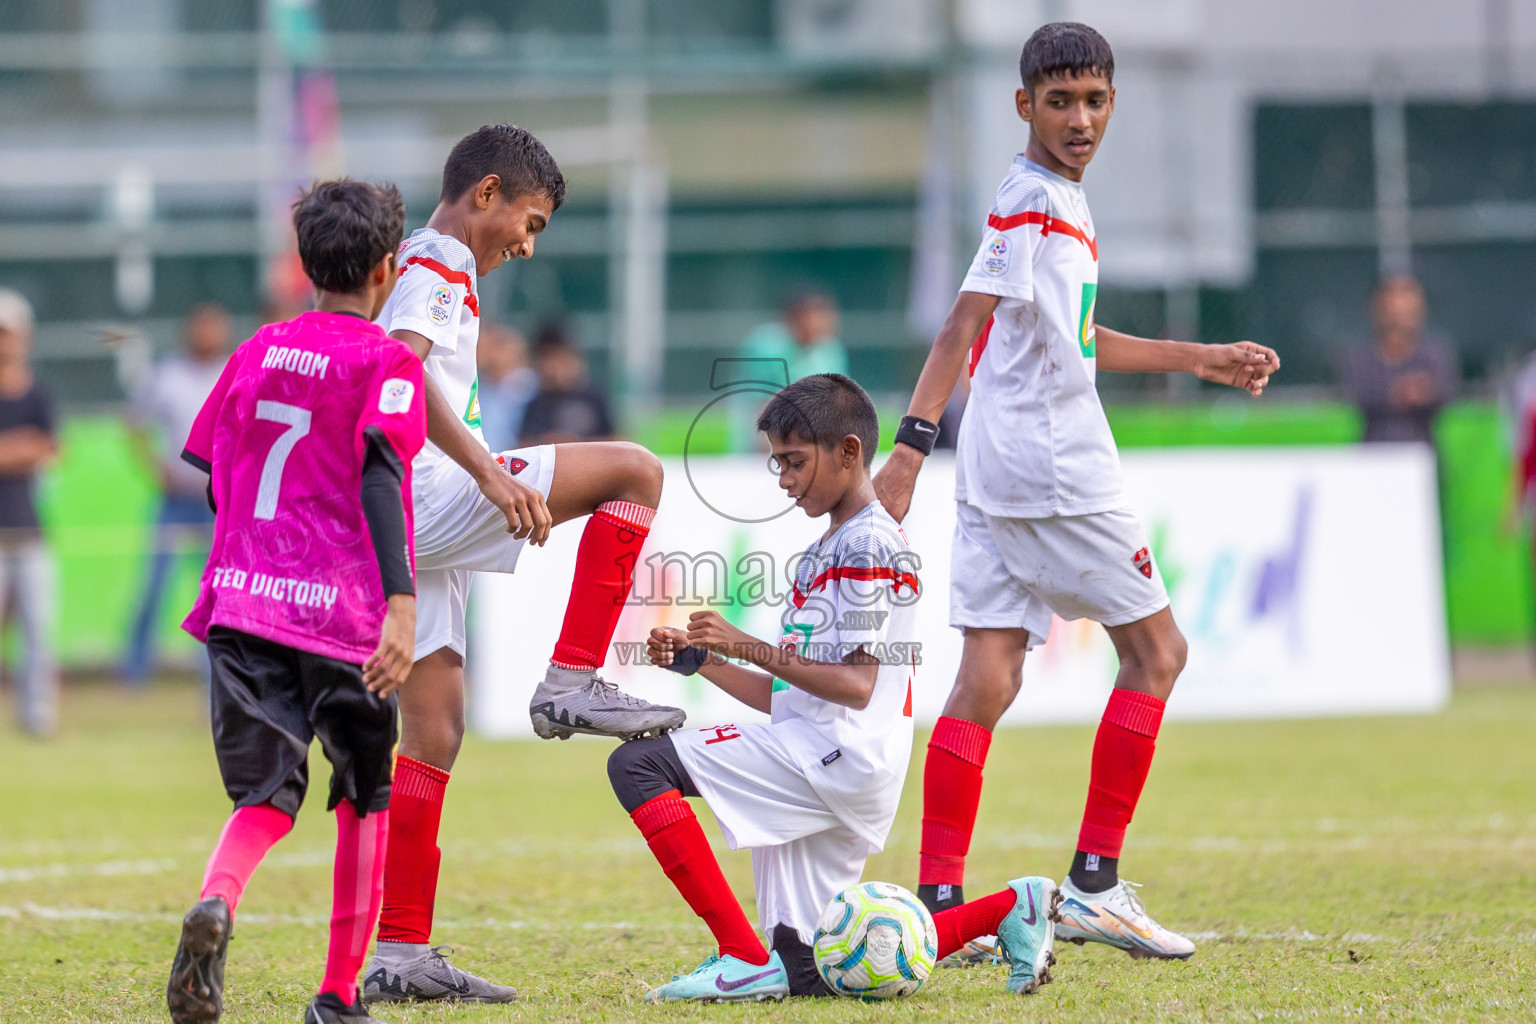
[[297, 420]]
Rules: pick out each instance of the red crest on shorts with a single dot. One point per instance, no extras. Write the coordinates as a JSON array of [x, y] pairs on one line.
[[1143, 560], [515, 466]]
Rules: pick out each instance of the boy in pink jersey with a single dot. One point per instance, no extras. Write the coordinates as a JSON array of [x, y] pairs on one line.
[[308, 601]]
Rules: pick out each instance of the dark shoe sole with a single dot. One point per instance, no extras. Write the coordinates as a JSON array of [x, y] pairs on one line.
[[452, 997], [544, 729], [195, 993]]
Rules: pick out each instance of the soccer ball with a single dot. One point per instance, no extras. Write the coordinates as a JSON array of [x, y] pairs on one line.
[[875, 940]]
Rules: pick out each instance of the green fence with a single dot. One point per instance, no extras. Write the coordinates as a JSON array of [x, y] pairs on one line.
[[99, 501]]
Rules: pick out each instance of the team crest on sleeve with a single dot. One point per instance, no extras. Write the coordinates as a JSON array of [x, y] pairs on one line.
[[995, 262], [396, 395], [440, 304], [1143, 560]]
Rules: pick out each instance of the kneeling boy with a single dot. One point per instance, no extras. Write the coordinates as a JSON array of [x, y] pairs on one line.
[[308, 604], [814, 791]]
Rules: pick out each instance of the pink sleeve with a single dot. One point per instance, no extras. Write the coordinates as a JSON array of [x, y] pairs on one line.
[[199, 447], [399, 406]]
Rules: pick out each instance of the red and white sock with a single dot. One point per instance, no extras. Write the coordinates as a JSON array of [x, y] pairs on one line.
[[1122, 756], [410, 873], [248, 834], [959, 925], [951, 793], [605, 572], [357, 890], [673, 833]]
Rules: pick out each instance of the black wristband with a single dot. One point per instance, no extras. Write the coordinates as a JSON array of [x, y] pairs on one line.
[[687, 661], [916, 432]]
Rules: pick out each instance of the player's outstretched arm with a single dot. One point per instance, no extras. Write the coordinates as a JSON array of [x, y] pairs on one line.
[[850, 682], [526, 511], [897, 478], [1243, 365]]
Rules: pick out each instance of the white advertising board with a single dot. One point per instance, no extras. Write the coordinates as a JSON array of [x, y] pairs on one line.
[[1307, 580]]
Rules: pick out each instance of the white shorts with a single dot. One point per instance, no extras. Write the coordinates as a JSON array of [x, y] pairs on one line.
[[1014, 573], [459, 531], [802, 853]]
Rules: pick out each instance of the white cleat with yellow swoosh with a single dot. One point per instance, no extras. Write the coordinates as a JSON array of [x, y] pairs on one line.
[[1117, 918]]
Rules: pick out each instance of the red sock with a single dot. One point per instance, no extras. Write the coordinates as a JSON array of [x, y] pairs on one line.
[[959, 925], [675, 837], [605, 571], [1122, 755], [357, 890], [248, 834], [951, 792], [410, 874]]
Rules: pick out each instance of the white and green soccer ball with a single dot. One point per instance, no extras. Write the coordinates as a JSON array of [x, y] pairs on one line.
[[875, 940]]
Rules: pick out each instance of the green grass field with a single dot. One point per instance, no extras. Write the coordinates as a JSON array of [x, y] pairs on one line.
[[1377, 869]]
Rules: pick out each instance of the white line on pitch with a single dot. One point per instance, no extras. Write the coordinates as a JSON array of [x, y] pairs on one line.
[[140, 917]]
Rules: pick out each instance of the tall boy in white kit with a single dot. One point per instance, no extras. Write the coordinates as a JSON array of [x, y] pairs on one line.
[[1043, 523]]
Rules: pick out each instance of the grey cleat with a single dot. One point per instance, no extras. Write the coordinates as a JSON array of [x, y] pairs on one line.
[[569, 701], [329, 1009], [195, 993], [428, 977]]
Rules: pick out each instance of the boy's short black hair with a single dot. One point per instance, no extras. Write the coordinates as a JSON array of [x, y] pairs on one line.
[[823, 409], [345, 228], [1067, 48], [513, 155]]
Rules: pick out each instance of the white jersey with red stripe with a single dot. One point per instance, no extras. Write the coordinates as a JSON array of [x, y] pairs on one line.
[[1034, 442], [435, 297], [855, 589]]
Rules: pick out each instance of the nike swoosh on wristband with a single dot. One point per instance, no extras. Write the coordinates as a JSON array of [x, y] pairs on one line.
[[732, 986]]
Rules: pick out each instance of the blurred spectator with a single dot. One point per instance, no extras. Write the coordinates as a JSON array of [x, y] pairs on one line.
[[805, 339], [159, 422], [27, 443], [1401, 381], [565, 408], [507, 384]]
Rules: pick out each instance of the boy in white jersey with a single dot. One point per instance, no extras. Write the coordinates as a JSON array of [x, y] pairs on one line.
[[814, 791], [475, 510], [1043, 524]]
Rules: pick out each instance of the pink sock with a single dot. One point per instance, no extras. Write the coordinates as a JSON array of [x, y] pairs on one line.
[[357, 894], [248, 834]]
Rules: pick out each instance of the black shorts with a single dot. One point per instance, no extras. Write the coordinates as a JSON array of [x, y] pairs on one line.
[[270, 700]]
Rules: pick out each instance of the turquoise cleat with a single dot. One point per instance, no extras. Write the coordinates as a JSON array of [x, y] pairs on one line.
[[721, 979], [1028, 932]]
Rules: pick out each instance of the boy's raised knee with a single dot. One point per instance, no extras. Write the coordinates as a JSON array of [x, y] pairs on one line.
[[620, 763], [640, 474], [641, 770]]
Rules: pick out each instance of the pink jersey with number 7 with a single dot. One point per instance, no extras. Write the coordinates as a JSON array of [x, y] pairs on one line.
[[283, 436]]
